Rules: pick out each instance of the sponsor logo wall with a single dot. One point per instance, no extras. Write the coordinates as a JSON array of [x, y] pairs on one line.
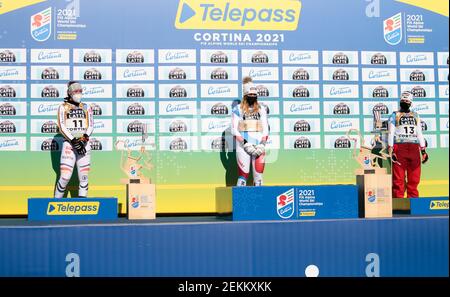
[[193, 92]]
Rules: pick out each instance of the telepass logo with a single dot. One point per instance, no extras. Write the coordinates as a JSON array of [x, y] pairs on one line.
[[281, 15]]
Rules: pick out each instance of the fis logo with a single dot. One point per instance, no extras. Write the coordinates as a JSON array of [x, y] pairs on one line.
[[219, 57], [135, 57], [178, 126], [439, 204], [285, 204], [281, 15], [96, 109], [380, 92], [7, 56], [7, 127], [378, 59], [393, 29], [371, 197], [49, 92], [135, 201], [41, 25], [7, 91], [73, 208], [49, 127], [135, 109], [7, 109]]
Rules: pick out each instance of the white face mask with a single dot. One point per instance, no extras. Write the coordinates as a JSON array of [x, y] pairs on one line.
[[76, 97]]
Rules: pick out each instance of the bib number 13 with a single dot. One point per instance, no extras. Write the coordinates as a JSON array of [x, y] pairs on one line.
[[409, 130]]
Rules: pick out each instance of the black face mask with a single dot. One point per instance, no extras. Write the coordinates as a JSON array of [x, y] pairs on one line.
[[251, 99], [404, 106]]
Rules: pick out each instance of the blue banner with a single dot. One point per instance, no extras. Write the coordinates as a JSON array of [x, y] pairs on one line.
[[295, 202], [429, 206]]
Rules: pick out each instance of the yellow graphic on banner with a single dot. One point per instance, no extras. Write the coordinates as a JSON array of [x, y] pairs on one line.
[[281, 15], [437, 6], [73, 208], [439, 204], [11, 5]]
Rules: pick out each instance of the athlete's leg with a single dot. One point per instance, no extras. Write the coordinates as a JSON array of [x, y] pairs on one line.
[[66, 168], [243, 161], [83, 167], [258, 169]]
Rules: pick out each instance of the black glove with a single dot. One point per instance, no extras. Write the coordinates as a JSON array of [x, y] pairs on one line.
[[424, 156], [78, 145], [85, 139]]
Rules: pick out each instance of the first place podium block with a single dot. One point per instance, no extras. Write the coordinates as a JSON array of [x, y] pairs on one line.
[[295, 202], [57, 209]]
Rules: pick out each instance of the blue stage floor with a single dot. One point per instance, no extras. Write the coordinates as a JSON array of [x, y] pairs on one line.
[[217, 246]]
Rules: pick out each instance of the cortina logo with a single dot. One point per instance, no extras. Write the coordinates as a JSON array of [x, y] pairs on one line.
[[41, 25], [393, 29], [285, 204], [73, 208], [281, 15]]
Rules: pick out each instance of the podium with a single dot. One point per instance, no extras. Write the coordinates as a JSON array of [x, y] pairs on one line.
[[141, 199], [374, 193]]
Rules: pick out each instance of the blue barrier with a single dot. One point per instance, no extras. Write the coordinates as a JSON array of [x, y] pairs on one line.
[[295, 202], [57, 209], [405, 246]]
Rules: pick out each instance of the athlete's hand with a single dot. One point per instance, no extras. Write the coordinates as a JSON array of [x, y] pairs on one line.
[[78, 145], [85, 139], [259, 150], [249, 148], [424, 156]]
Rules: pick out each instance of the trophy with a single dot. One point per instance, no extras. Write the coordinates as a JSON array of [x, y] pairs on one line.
[[367, 159], [140, 192], [374, 183]]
